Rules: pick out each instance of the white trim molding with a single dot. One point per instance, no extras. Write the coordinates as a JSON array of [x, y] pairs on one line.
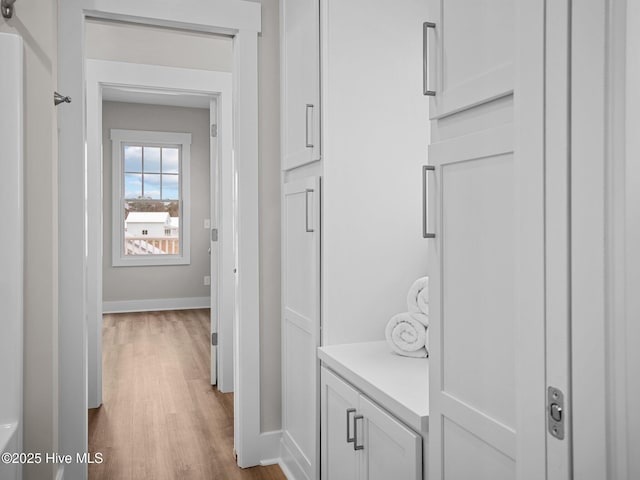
[[155, 304], [270, 446], [216, 85], [60, 473], [242, 20]]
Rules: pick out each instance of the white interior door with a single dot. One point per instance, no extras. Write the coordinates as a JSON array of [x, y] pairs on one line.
[[301, 322], [488, 392], [213, 236]]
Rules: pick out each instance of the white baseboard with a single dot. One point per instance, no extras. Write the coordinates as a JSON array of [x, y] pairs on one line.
[[156, 304], [285, 470], [60, 473], [288, 462], [270, 447]]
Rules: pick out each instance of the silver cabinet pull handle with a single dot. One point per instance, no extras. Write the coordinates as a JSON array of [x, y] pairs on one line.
[[425, 59], [355, 433], [425, 202], [350, 439], [306, 210], [308, 144]]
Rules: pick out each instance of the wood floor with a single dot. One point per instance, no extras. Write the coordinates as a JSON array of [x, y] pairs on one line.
[[161, 418]]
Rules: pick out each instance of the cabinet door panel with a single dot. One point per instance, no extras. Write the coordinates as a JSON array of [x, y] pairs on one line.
[[471, 53], [300, 92], [339, 459], [301, 321], [473, 358], [391, 450]]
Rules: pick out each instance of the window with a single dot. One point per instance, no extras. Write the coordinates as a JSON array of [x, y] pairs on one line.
[[150, 197]]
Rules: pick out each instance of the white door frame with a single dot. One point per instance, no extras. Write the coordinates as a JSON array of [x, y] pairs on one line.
[[100, 73], [605, 233], [242, 20]]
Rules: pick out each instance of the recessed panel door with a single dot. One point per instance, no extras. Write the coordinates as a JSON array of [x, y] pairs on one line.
[[301, 321]]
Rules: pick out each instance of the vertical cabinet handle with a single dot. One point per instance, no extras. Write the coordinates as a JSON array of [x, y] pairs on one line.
[[308, 143], [306, 210], [355, 433], [425, 202], [425, 59], [350, 439]]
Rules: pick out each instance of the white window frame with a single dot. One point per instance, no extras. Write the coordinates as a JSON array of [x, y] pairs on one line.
[[118, 139]]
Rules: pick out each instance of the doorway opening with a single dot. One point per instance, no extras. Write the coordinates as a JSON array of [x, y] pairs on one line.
[[80, 182]]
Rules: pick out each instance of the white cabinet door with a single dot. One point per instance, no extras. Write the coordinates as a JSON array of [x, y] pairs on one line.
[[470, 53], [301, 321], [338, 409], [300, 87], [487, 261], [389, 449], [360, 441]]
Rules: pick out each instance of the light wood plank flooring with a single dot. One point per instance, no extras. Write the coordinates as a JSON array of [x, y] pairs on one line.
[[161, 419]]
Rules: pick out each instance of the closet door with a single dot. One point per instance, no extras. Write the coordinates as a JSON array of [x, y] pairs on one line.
[[301, 322], [300, 87], [486, 261]]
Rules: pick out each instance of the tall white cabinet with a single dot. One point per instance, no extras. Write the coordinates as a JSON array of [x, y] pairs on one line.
[[485, 213], [353, 119]]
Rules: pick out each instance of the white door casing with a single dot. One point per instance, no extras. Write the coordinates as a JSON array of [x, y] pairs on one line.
[[242, 20], [156, 78]]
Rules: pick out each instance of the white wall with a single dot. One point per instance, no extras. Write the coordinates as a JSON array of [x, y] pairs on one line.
[[126, 42], [36, 22], [170, 281], [375, 137]]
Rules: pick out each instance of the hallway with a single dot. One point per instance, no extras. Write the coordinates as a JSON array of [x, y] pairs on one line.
[[161, 419]]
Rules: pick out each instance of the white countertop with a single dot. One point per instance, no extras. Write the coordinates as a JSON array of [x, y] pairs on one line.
[[398, 384]]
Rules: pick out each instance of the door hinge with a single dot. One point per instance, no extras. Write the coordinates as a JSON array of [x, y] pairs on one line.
[[214, 234], [214, 130], [556, 412], [214, 339]]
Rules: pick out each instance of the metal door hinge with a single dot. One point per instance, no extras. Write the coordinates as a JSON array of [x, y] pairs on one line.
[[555, 412], [214, 234], [214, 339], [214, 130]]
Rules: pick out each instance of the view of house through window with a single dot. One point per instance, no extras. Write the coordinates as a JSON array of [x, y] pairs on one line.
[[152, 205]]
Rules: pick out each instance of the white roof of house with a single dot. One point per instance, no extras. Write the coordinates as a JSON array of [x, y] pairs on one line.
[[175, 222], [148, 217]]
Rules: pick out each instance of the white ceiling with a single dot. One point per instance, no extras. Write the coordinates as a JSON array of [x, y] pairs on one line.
[[154, 97]]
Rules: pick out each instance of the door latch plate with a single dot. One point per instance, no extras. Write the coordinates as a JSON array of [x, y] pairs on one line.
[[555, 412]]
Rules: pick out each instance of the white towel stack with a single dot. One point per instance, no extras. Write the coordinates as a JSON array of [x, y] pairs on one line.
[[407, 333]]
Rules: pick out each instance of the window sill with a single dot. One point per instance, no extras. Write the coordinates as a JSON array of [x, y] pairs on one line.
[[145, 261]]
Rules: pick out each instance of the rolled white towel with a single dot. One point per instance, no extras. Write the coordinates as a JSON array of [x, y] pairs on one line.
[[406, 335], [418, 296]]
